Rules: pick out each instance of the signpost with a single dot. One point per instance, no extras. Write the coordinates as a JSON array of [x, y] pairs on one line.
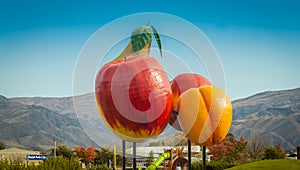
[[36, 157]]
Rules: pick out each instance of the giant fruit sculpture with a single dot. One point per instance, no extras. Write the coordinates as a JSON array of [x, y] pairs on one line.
[[134, 97], [180, 84], [205, 114]]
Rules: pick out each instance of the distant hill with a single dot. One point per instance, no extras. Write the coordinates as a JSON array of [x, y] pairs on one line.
[[35, 127], [273, 115], [81, 108], [35, 121]]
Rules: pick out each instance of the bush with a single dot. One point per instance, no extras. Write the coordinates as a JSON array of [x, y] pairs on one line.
[[196, 166], [271, 153], [218, 165], [213, 165], [2, 146], [61, 163], [100, 167]]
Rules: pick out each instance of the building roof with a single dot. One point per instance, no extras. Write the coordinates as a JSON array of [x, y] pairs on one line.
[[157, 150]]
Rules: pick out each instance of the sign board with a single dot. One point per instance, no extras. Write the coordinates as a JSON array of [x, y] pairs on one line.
[[37, 157]]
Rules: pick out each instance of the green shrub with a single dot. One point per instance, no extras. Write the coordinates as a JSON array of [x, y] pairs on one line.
[[10, 164], [196, 166], [60, 163], [273, 153], [213, 165], [218, 165], [100, 167]]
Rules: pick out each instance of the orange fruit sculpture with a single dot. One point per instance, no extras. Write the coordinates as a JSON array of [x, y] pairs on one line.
[[204, 114], [180, 84]]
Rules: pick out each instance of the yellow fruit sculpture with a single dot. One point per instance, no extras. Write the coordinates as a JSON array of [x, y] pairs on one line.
[[204, 114]]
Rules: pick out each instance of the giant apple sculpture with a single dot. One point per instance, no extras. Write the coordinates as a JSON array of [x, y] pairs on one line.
[[134, 97], [180, 84]]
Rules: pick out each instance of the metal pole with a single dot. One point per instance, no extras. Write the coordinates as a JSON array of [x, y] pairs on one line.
[[134, 156], [189, 154], [115, 157], [203, 157], [54, 154], [27, 153], [27, 158], [123, 156]]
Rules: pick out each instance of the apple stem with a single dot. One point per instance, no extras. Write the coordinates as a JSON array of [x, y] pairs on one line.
[[174, 112], [148, 23]]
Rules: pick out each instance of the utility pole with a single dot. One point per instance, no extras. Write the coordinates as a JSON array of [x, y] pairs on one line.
[[189, 154], [123, 156], [203, 157], [134, 156]]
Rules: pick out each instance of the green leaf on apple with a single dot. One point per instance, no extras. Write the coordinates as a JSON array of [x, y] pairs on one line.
[[157, 38], [140, 37]]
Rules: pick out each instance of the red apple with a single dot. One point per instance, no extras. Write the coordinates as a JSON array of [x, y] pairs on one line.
[[134, 97], [180, 84]]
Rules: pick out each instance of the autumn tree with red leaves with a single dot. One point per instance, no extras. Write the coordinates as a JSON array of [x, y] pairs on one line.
[[86, 155], [230, 150]]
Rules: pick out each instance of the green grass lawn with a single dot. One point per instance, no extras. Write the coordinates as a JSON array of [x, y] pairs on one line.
[[280, 164]]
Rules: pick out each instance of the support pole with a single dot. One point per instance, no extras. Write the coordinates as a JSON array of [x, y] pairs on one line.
[[54, 154], [123, 156], [27, 158], [203, 157], [115, 158], [134, 156], [189, 154]]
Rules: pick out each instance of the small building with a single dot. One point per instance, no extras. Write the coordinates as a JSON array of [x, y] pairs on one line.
[[292, 155], [298, 152], [17, 155]]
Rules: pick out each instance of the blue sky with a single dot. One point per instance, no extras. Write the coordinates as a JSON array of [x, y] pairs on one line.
[[258, 42]]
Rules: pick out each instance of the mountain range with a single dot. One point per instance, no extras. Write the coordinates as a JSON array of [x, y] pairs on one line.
[[272, 115], [33, 122]]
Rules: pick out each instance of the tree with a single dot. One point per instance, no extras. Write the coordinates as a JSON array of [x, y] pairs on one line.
[[218, 151], [274, 153], [270, 153], [256, 147], [230, 150], [105, 155], [86, 155], [237, 150], [90, 154], [2, 146], [64, 151]]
